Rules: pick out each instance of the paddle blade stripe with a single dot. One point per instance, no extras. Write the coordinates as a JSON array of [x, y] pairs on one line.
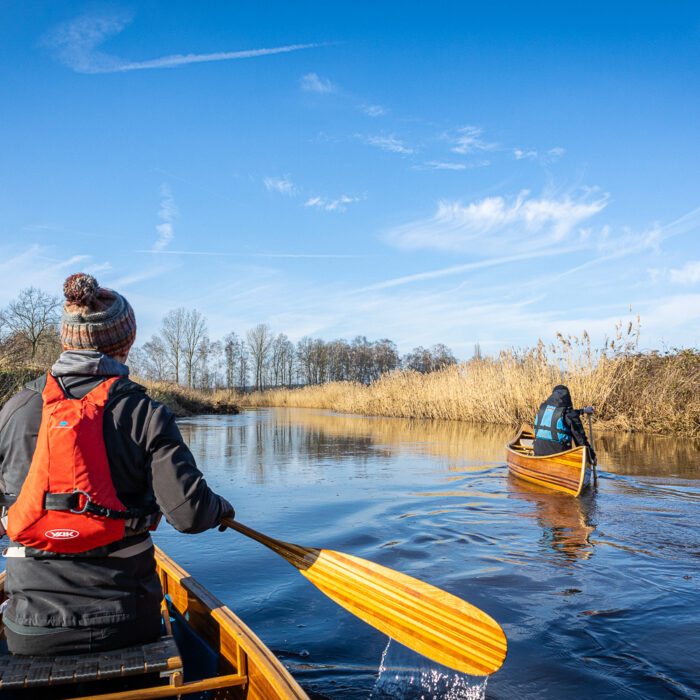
[[429, 620], [425, 634], [422, 643], [418, 597]]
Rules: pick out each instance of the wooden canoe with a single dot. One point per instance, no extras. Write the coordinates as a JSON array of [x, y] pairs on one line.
[[217, 656], [567, 471]]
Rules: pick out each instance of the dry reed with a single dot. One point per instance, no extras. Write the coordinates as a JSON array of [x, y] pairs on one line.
[[647, 392]]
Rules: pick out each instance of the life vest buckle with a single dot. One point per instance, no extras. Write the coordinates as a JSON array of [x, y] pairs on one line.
[[77, 492]]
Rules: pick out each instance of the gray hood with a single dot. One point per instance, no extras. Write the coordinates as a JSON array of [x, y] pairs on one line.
[[90, 362]]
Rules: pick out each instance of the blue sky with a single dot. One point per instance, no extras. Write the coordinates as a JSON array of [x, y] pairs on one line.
[[453, 172]]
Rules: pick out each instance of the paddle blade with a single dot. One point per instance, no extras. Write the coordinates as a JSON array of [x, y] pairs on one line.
[[431, 621]]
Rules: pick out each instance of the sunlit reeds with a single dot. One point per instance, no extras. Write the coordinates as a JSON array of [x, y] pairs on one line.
[[630, 390]]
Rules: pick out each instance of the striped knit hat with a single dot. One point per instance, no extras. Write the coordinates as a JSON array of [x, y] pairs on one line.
[[95, 318]]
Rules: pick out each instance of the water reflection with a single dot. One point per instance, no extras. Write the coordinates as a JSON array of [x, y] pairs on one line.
[[653, 455], [316, 435], [565, 520]]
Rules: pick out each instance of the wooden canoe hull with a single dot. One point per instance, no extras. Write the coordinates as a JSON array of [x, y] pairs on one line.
[[566, 471], [247, 669]]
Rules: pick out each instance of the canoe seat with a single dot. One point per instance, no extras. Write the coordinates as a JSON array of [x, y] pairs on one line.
[[161, 657]]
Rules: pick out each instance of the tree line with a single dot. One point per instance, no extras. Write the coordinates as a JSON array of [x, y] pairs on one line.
[[182, 351]]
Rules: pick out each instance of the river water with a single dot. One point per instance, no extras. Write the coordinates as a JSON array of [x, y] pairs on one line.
[[598, 595]]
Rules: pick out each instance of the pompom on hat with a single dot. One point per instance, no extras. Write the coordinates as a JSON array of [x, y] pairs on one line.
[[95, 318]]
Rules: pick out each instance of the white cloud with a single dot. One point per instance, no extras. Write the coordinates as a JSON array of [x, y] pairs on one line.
[[283, 185], [76, 42], [373, 110], [520, 223], [438, 165], [389, 143], [339, 204], [520, 154], [555, 153], [166, 213], [312, 82], [469, 139], [689, 274]]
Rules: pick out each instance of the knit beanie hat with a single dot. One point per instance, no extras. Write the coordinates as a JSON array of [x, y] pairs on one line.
[[95, 318]]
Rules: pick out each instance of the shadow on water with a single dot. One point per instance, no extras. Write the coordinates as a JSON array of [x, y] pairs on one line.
[[598, 592]]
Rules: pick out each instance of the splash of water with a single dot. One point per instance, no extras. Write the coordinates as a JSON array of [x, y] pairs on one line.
[[419, 681]]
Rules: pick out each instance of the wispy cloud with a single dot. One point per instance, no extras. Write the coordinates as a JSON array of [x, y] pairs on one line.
[[373, 110], [76, 42], [522, 222], [339, 204], [439, 165], [447, 165], [224, 254], [468, 140], [520, 153], [459, 269], [39, 266], [389, 143], [689, 274], [312, 82], [167, 214], [283, 185]]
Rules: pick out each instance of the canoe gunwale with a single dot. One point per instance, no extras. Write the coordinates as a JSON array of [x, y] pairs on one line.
[[536, 464], [247, 668]]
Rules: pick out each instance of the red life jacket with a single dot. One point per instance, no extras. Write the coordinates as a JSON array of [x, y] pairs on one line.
[[68, 503]]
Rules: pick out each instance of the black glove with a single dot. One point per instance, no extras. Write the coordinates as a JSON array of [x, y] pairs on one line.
[[592, 456], [227, 511]]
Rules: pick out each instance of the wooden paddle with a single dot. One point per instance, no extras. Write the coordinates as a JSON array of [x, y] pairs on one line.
[[431, 621]]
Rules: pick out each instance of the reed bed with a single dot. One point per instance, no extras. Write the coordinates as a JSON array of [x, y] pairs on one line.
[[630, 390]]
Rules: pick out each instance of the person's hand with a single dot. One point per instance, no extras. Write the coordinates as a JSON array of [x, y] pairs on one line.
[[227, 511], [592, 455]]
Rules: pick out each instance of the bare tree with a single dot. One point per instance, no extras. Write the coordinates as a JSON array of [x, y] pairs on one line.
[[231, 356], [259, 340], [207, 373], [194, 332], [423, 360], [173, 333], [442, 356], [243, 361], [150, 361], [281, 348], [386, 356], [33, 316]]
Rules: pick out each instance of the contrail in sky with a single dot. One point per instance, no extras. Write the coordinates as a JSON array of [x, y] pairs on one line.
[[76, 43]]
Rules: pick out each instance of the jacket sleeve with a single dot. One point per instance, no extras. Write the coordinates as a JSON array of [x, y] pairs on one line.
[[576, 427], [181, 491]]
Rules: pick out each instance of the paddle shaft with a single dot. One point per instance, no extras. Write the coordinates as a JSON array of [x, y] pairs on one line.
[[590, 432]]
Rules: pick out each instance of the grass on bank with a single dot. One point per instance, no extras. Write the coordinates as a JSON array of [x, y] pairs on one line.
[[646, 392], [181, 401], [187, 402]]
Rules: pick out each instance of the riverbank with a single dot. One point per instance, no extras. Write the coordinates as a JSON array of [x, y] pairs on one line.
[[190, 402], [640, 392], [182, 402]]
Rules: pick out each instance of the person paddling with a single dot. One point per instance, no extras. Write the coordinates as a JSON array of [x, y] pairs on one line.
[[557, 423], [89, 462]]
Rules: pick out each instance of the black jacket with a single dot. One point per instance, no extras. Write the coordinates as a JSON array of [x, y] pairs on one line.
[[149, 463], [561, 398]]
